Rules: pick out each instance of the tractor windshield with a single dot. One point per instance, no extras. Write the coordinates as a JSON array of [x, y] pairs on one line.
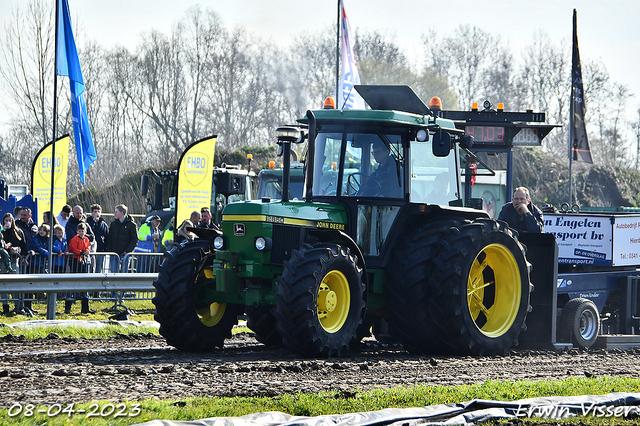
[[373, 165], [434, 180]]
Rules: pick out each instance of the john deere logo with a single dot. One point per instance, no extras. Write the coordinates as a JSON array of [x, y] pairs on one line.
[[238, 229]]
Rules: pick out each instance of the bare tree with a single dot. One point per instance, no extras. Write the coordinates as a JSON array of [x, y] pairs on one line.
[[545, 85], [28, 50], [312, 73], [466, 59]]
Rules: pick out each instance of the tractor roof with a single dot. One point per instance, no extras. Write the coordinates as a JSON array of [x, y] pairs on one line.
[[392, 105]]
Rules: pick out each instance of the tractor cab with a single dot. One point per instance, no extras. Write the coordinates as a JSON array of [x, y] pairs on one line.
[[377, 162]]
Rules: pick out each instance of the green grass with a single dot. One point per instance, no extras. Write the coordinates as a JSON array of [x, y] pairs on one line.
[[144, 310], [338, 402]]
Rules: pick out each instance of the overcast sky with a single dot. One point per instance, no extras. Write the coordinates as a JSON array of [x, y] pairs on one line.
[[608, 31]]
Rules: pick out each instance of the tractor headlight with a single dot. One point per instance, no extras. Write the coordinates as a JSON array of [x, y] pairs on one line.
[[263, 243], [218, 243]]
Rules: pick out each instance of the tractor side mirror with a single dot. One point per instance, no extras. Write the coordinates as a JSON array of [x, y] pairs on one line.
[[441, 144], [144, 185], [466, 141]]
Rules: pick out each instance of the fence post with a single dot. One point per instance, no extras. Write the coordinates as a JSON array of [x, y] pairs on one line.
[[51, 305]]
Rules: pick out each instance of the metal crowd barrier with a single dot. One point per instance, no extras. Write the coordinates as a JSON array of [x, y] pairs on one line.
[[109, 276]]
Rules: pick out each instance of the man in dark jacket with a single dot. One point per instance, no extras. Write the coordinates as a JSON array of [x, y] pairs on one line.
[[206, 222], [26, 224], [99, 227], [72, 225], [384, 181], [123, 235], [521, 214], [100, 231]]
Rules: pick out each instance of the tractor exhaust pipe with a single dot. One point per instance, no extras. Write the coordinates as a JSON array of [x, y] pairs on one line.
[[311, 147]]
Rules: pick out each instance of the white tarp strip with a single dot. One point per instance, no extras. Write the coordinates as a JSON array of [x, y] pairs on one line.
[[615, 405]]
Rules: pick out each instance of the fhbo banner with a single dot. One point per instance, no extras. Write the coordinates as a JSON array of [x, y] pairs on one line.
[[195, 177], [41, 177]]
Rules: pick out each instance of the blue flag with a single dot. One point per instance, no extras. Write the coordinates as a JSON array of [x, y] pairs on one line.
[[68, 64]]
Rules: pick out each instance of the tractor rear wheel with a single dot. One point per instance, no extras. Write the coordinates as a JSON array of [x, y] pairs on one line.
[[479, 289], [320, 301], [262, 322], [185, 321], [408, 292], [579, 322]]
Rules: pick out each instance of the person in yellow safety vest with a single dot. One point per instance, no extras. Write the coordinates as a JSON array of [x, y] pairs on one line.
[[148, 242], [167, 237]]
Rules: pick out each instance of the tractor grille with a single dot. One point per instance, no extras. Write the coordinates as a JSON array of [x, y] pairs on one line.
[[285, 239]]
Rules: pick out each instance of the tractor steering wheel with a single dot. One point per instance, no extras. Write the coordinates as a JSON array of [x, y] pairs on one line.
[[357, 182]]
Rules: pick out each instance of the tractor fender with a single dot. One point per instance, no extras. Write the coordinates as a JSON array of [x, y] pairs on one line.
[[335, 236]]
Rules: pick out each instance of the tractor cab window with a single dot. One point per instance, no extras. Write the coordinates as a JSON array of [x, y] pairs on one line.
[[327, 158], [373, 165], [434, 180], [379, 171]]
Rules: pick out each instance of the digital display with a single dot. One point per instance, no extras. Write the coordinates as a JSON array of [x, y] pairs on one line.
[[527, 136], [488, 134]]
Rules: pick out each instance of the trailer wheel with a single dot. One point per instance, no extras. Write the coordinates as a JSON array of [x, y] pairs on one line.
[[579, 322], [480, 289], [185, 321], [320, 301], [262, 322]]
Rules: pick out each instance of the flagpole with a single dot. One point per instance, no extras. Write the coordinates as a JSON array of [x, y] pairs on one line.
[[338, 55], [55, 136], [572, 94]]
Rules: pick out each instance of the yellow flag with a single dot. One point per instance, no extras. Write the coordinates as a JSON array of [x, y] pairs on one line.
[[195, 178], [41, 177]]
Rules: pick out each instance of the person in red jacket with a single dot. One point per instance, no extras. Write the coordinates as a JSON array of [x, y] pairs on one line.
[[79, 249]]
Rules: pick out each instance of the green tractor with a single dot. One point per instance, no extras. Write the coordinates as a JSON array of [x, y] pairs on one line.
[[376, 238]]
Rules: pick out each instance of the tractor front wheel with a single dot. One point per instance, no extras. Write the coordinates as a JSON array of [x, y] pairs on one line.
[[188, 323], [320, 301]]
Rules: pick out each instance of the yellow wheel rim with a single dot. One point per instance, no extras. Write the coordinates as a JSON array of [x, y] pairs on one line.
[[212, 314], [493, 290], [334, 299]]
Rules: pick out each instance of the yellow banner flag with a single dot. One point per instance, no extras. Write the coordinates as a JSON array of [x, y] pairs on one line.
[[195, 178], [41, 177]]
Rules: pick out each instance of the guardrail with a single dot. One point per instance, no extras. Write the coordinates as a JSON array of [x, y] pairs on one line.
[[52, 284]]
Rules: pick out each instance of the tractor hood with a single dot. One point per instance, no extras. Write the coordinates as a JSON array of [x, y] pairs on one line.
[[298, 213]]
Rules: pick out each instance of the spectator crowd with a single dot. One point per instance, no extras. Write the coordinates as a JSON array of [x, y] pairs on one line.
[[84, 244]]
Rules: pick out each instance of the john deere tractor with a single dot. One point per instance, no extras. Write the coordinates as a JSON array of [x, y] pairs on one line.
[[381, 234]]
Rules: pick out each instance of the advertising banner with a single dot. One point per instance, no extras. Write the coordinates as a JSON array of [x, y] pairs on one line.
[[195, 176], [626, 240], [41, 177], [582, 239]]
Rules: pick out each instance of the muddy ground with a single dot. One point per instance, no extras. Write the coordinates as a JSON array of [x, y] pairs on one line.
[[54, 370]]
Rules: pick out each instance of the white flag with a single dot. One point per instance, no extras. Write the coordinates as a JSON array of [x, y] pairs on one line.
[[348, 98]]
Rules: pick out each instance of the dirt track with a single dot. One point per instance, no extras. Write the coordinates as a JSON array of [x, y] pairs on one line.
[[54, 370]]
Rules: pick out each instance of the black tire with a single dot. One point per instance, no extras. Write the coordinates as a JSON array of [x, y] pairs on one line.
[[185, 321], [479, 290], [320, 301], [262, 322], [407, 288], [579, 322]]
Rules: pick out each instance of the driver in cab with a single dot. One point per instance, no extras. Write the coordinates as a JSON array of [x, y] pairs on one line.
[[384, 180]]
